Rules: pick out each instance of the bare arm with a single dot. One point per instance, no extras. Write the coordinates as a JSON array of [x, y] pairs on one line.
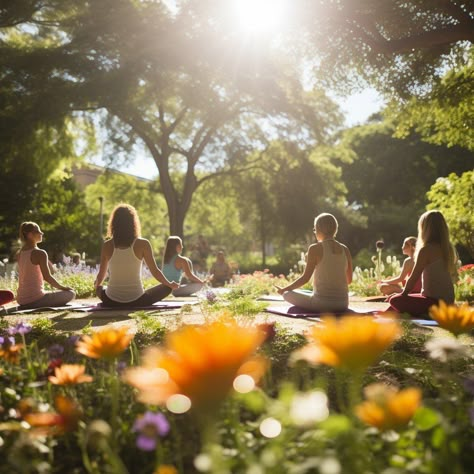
[[40, 257], [187, 267], [151, 264], [420, 264], [311, 263], [349, 269], [105, 255], [406, 267]]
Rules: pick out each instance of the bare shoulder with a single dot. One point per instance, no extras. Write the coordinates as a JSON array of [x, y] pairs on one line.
[[181, 261], [315, 248], [38, 256], [108, 246], [142, 243]]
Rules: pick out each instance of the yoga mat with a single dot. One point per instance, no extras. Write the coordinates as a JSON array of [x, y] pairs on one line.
[[270, 298], [157, 306], [376, 299], [68, 307], [296, 312]]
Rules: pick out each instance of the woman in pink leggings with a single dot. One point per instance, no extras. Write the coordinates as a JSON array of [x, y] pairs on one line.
[[6, 296], [435, 263]]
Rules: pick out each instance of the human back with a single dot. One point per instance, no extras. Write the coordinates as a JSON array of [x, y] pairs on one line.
[[330, 274], [122, 256], [34, 268], [330, 264], [435, 264]]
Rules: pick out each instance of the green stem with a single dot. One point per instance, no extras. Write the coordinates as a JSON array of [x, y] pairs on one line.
[[178, 441], [114, 394]]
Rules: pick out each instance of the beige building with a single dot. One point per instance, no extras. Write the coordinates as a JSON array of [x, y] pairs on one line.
[[87, 173]]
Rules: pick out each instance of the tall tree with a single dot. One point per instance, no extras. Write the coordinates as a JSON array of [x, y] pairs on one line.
[[419, 55], [389, 179]]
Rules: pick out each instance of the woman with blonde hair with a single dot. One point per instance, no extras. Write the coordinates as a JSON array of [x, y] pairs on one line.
[[122, 256], [330, 264], [34, 268], [174, 265], [395, 284], [435, 263]]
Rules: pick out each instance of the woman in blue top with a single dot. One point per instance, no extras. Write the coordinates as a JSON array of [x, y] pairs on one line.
[[174, 265]]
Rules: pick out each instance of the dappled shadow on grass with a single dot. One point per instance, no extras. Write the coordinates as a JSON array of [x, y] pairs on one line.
[[67, 322]]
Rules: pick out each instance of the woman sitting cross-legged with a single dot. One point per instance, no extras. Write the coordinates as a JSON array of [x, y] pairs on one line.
[[122, 255], [330, 264], [435, 264], [34, 268], [174, 265]]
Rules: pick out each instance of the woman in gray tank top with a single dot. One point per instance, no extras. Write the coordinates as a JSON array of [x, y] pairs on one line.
[[330, 264]]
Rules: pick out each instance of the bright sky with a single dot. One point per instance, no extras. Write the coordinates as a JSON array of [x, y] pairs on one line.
[[262, 17]]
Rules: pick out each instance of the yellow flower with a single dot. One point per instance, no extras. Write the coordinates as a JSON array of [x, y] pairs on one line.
[[457, 319], [68, 374], [11, 353], [166, 469], [105, 344], [200, 362], [351, 342], [388, 409]]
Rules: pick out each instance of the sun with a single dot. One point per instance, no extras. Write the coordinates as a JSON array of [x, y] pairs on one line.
[[259, 16]]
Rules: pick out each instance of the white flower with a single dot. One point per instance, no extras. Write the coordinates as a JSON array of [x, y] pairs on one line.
[[444, 349]]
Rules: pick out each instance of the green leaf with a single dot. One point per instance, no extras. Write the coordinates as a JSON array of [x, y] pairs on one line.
[[425, 419]]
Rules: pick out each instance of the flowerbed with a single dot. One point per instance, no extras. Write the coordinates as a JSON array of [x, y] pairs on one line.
[[355, 396]]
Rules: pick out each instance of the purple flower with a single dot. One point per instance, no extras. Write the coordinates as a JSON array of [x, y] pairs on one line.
[[211, 296], [150, 426], [55, 351], [469, 385], [73, 339], [20, 328], [7, 341], [121, 366]]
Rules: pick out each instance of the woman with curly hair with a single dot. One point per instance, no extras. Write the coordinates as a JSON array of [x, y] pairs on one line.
[[122, 255]]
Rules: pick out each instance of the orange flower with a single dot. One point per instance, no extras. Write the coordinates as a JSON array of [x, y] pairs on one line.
[[352, 342], [166, 469], [388, 409], [65, 419], [457, 319], [199, 362], [11, 352], [106, 344], [68, 374]]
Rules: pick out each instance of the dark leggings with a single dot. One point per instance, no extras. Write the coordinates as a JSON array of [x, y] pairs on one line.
[[152, 295], [6, 296], [414, 304]]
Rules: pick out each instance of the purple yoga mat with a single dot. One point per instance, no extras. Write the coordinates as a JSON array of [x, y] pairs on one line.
[[157, 306]]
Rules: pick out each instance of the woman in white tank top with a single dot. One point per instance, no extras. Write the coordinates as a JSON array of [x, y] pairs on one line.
[[330, 264], [122, 257]]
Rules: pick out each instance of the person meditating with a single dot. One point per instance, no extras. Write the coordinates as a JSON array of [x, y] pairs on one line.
[[393, 285], [34, 268], [122, 256], [174, 265], [330, 264], [435, 263], [220, 271]]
